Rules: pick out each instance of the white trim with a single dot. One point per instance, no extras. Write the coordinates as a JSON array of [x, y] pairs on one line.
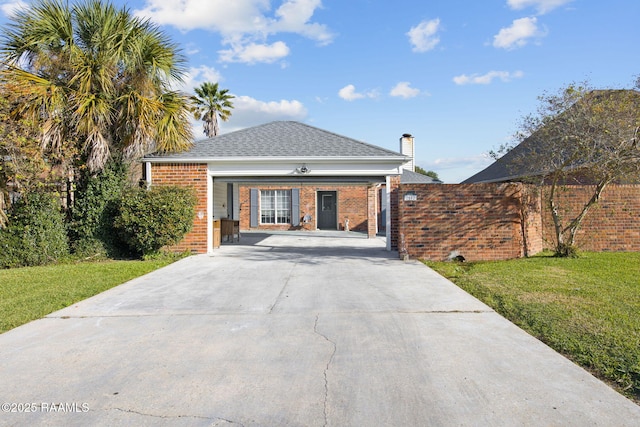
[[291, 169], [209, 213]]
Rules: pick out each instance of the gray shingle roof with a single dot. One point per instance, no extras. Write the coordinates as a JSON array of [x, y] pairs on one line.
[[410, 177], [513, 166], [279, 139]]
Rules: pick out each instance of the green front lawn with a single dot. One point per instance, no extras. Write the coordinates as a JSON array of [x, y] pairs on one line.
[[30, 293], [586, 308]]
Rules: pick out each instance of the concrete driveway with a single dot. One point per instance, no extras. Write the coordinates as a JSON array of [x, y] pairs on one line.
[[300, 329]]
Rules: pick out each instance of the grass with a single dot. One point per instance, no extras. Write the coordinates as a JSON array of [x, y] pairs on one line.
[[30, 293], [587, 308]]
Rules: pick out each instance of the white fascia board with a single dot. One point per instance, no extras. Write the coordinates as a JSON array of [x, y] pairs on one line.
[[383, 159], [292, 168]]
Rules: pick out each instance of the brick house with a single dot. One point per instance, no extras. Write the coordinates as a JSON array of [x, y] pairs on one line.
[[284, 175]]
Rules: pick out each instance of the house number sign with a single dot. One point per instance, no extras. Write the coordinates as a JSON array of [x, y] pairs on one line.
[[410, 196]]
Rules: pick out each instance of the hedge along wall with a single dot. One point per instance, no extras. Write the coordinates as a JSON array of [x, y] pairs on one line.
[[477, 221], [613, 224], [192, 176]]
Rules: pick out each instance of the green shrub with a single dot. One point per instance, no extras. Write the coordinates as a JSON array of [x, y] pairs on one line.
[[36, 234], [147, 220], [96, 199]]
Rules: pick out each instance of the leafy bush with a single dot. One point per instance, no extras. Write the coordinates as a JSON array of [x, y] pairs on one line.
[[147, 220], [97, 197], [36, 234]]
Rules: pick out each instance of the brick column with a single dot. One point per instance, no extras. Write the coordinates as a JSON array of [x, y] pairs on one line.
[[372, 211], [191, 175], [393, 209]]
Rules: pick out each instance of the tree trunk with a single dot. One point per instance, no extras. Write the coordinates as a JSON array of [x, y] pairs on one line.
[[216, 129], [3, 217], [557, 220], [574, 226]]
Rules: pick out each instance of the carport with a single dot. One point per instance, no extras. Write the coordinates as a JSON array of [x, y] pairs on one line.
[[283, 176]]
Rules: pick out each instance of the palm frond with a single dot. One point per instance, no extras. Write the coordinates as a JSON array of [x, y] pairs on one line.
[[173, 130], [210, 103]]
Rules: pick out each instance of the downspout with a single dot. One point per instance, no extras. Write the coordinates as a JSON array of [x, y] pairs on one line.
[[377, 192], [147, 173]]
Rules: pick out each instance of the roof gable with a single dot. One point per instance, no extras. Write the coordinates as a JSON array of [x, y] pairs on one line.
[[280, 139], [512, 165]]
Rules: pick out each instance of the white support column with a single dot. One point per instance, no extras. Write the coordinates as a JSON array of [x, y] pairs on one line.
[[209, 213]]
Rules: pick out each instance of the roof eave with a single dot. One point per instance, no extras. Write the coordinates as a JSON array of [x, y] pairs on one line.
[[318, 159]]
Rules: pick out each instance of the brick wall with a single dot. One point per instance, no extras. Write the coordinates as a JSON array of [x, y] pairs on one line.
[[502, 221], [354, 202], [613, 224], [393, 190], [477, 221], [193, 176]]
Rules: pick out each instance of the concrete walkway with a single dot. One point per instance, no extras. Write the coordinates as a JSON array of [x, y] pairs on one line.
[[309, 329]]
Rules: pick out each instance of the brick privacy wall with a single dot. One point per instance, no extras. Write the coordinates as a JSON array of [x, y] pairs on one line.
[[532, 220], [393, 212], [479, 221], [613, 224], [192, 176], [353, 203]]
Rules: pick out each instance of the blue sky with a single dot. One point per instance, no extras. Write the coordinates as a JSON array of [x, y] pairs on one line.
[[456, 74]]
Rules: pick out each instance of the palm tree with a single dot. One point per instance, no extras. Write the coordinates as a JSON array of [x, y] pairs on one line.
[[96, 80], [209, 103]]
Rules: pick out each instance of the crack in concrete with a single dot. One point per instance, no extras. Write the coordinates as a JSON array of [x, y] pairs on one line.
[[166, 417], [326, 369], [286, 283]]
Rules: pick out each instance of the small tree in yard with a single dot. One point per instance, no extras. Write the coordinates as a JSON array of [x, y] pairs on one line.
[[579, 136], [148, 220]]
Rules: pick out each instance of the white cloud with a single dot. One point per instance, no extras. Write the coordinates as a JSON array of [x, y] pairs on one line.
[[252, 53], [11, 7], [192, 49], [249, 112], [517, 35], [348, 93], [245, 25], [294, 16], [198, 75], [404, 90], [543, 6], [423, 36], [487, 78]]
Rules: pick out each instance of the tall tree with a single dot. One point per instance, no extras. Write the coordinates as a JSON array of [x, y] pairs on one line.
[[210, 103], [97, 81], [22, 167], [578, 136]]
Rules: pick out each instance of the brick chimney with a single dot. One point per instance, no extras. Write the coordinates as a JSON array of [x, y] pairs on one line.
[[408, 149]]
